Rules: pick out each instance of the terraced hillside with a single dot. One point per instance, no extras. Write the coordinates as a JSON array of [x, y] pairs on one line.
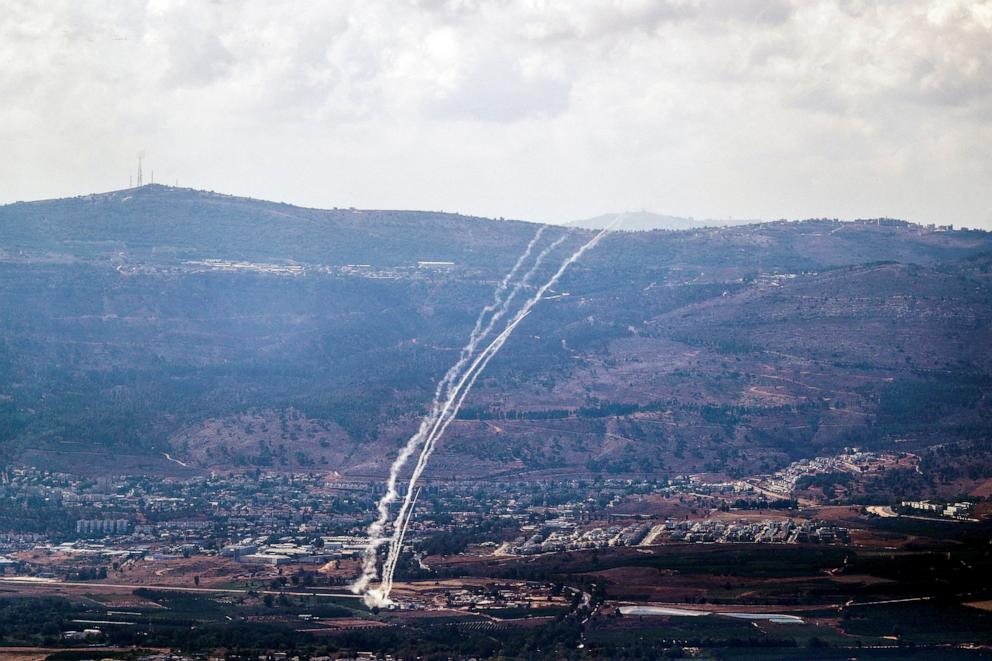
[[228, 332]]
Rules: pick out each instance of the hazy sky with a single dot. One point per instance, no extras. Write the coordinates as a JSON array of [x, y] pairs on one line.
[[531, 109]]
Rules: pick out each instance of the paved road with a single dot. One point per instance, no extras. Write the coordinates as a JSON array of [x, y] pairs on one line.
[[851, 604], [13, 580]]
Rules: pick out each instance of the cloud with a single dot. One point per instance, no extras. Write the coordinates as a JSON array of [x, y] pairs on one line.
[[758, 108]]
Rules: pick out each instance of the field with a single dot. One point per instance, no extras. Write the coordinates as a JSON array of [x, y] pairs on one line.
[[912, 602]]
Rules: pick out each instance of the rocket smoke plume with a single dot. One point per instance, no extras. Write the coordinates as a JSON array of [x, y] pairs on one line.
[[455, 385], [380, 596], [445, 414], [500, 301]]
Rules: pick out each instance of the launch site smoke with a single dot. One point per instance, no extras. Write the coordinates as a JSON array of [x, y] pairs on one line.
[[375, 539], [433, 425]]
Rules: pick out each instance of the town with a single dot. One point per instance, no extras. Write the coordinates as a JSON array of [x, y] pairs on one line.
[[265, 546], [312, 519]]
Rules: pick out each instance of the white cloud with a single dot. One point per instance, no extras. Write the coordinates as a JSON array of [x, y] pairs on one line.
[[528, 108]]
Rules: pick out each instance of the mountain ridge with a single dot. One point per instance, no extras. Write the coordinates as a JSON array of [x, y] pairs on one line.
[[646, 221], [173, 323]]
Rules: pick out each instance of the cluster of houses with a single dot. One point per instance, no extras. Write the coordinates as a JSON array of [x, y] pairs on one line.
[[293, 550], [853, 460], [960, 510], [102, 526], [562, 535], [768, 531]]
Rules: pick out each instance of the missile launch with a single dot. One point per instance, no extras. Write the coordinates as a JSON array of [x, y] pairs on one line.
[[455, 385]]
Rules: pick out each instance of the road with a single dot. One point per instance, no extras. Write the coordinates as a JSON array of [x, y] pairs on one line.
[[91, 585], [886, 512], [852, 604], [175, 461]]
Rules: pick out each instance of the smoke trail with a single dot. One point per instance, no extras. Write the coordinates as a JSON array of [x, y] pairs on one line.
[[452, 393], [406, 522], [477, 332], [375, 539], [380, 596]]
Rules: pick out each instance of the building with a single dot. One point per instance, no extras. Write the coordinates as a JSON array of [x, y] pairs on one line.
[[273, 559], [436, 266], [102, 526]]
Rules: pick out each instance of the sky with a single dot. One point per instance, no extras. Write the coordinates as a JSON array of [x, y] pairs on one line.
[[532, 109]]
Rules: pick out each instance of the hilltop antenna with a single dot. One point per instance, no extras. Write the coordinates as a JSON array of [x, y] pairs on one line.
[[139, 168]]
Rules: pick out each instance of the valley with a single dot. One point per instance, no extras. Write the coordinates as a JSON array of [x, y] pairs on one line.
[[730, 442]]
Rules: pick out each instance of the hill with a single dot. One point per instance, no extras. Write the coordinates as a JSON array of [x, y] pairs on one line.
[[642, 221], [156, 223], [237, 333]]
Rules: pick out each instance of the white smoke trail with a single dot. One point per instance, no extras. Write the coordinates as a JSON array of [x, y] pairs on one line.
[[477, 331], [375, 538], [452, 394], [407, 521], [380, 595]]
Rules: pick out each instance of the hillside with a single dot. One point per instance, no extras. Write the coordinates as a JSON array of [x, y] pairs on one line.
[[156, 223], [641, 221], [232, 333]]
